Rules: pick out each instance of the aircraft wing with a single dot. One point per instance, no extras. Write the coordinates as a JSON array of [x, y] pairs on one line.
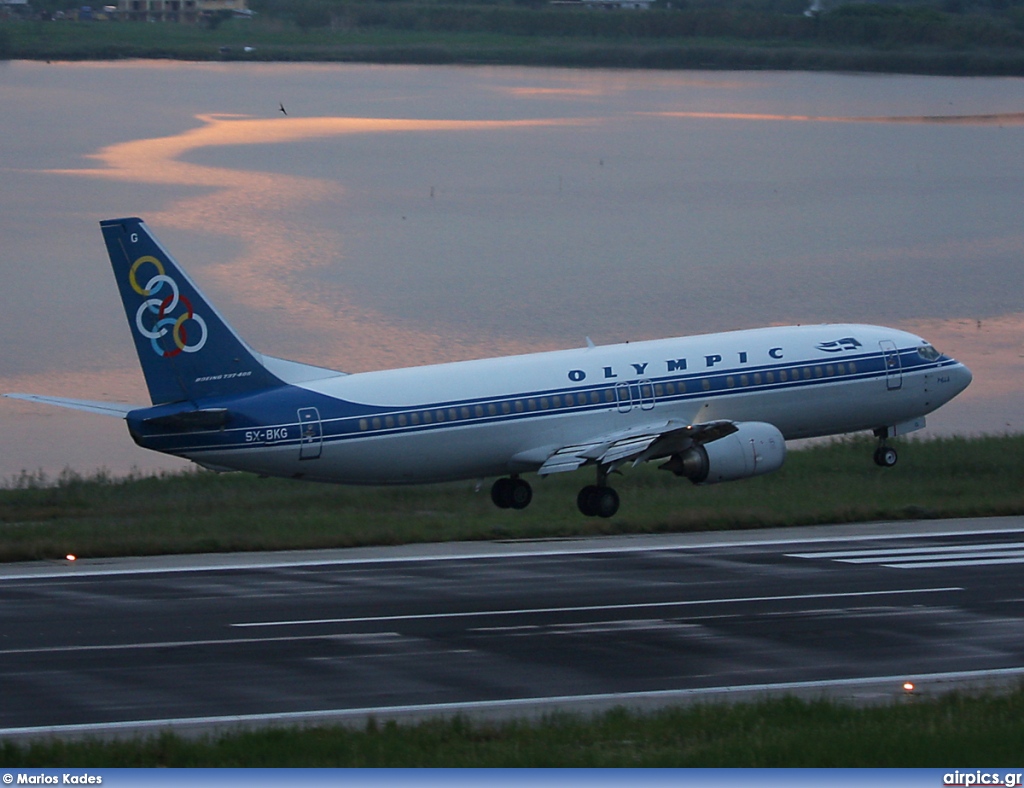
[[91, 406], [638, 444]]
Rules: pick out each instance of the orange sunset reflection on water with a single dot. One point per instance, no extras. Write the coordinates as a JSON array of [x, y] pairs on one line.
[[260, 210]]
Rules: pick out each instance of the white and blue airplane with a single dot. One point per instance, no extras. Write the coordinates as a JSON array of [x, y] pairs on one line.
[[713, 408]]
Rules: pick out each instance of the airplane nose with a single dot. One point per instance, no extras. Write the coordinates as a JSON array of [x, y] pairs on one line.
[[962, 377]]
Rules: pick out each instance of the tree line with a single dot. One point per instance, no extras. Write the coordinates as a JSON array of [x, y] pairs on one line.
[[952, 24]]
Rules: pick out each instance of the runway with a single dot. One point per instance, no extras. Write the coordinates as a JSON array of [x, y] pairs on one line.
[[198, 643]]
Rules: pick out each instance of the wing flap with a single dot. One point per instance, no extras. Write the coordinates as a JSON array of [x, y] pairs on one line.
[[638, 444], [562, 460], [627, 449]]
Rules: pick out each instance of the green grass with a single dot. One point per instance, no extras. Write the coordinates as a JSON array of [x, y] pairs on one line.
[[955, 729], [204, 512]]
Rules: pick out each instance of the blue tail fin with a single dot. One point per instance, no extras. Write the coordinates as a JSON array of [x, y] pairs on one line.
[[187, 350]]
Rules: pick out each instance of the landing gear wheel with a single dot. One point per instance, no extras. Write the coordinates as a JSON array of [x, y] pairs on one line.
[[522, 494], [511, 493], [886, 456], [501, 493], [585, 500], [607, 502], [598, 501]]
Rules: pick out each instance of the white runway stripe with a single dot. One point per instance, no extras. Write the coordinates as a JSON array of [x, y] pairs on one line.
[[680, 603], [891, 551], [927, 557], [954, 563]]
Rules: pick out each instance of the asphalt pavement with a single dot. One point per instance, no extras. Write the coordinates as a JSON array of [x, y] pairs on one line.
[[197, 643]]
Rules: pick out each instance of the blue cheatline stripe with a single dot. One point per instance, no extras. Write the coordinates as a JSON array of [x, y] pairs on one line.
[[718, 386]]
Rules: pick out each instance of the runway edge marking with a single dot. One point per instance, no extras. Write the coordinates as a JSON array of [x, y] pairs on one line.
[[638, 543], [440, 709]]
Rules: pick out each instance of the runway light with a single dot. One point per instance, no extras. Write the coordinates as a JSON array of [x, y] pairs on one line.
[[908, 686], [70, 556]]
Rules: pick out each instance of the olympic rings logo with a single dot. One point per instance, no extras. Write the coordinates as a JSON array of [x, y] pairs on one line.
[[159, 311]]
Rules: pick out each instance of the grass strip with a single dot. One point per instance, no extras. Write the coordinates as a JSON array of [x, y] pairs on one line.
[[780, 732], [195, 512]]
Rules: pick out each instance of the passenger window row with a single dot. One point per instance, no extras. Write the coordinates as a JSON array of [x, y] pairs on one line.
[[608, 396]]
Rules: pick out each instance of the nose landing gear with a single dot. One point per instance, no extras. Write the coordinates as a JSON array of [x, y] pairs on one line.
[[885, 456]]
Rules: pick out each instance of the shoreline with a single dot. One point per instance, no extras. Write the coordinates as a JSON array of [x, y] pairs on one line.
[[248, 42], [967, 64]]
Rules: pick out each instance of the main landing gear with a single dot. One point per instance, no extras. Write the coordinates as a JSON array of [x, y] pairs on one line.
[[511, 493], [594, 500], [885, 456], [598, 500]]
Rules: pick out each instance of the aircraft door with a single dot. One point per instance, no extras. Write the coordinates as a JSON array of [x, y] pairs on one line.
[[637, 394], [646, 395], [311, 434], [893, 366], [624, 397]]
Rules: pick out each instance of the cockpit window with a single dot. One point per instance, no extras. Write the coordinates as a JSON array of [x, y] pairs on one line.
[[927, 352]]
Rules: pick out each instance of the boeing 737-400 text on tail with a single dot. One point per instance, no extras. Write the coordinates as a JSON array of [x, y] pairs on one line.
[[713, 408]]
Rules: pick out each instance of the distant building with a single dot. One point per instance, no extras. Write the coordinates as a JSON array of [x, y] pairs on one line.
[[176, 10], [9, 8]]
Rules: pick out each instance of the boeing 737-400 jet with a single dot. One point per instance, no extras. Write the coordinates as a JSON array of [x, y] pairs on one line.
[[713, 408]]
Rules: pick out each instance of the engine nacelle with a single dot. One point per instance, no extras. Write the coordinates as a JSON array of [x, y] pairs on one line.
[[755, 448]]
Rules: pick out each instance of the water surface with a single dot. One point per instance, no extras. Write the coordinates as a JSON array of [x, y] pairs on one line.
[[408, 215]]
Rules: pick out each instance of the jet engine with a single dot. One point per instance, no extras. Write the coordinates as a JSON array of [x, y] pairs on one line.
[[755, 448]]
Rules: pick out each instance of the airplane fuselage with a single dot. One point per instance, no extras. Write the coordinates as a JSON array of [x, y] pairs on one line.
[[506, 415], [713, 408]]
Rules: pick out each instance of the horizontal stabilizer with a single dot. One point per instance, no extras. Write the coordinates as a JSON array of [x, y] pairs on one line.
[[90, 406]]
